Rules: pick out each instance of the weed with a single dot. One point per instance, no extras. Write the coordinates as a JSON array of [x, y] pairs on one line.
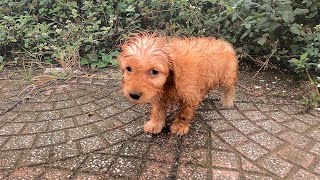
[[1, 64], [26, 72]]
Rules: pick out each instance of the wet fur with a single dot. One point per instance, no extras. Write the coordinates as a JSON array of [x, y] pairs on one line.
[[188, 69]]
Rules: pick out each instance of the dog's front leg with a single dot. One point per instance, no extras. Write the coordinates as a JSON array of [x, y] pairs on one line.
[[157, 118], [182, 123]]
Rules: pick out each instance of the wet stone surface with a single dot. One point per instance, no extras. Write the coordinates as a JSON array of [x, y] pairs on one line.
[[276, 165], [86, 129]]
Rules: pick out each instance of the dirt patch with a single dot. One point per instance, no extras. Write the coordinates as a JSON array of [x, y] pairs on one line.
[[272, 86]]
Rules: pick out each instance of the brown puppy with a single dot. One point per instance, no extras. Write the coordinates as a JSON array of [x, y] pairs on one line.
[[163, 70]]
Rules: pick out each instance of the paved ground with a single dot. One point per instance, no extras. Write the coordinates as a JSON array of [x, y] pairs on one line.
[[86, 129]]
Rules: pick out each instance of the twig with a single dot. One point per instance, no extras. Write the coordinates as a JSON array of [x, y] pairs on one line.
[[246, 54], [247, 90], [20, 100], [49, 18], [264, 64], [313, 83], [10, 108]]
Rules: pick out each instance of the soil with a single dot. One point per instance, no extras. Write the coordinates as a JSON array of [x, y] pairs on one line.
[[273, 86]]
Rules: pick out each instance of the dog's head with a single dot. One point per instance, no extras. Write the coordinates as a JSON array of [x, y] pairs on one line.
[[145, 66]]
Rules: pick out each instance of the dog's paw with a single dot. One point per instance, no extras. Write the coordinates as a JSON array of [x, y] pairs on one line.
[[227, 105], [153, 127], [179, 128], [227, 102]]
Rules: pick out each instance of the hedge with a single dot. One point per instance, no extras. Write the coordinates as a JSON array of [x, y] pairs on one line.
[[282, 33]]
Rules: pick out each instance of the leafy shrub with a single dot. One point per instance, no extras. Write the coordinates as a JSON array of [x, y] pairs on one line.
[[279, 32], [60, 31]]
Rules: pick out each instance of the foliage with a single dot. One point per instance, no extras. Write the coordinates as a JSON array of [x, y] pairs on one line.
[[286, 32], [62, 32]]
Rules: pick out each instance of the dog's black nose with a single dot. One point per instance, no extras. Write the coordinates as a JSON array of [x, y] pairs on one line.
[[135, 95]]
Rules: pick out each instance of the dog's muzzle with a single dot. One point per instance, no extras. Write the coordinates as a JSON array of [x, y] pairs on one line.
[[135, 95]]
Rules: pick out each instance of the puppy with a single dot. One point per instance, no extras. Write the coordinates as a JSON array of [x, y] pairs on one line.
[[163, 70]]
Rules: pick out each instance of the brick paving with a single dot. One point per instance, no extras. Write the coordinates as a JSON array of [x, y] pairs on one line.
[[86, 129]]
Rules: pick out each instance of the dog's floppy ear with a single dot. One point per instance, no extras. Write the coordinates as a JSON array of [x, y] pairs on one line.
[[170, 63], [167, 49]]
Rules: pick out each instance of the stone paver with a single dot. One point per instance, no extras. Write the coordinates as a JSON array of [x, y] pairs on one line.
[[191, 172], [155, 170], [252, 150], [276, 165], [266, 140], [27, 173], [297, 156], [225, 174], [86, 129], [295, 139], [224, 159]]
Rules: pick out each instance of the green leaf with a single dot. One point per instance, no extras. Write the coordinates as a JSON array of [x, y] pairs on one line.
[[114, 53], [288, 17], [261, 41], [245, 34], [299, 11], [285, 5], [87, 48], [106, 58], [229, 8], [114, 62], [93, 57], [93, 65], [121, 6], [273, 26], [317, 97], [101, 64], [12, 39], [313, 65], [84, 61], [26, 45], [247, 25], [303, 56], [58, 31], [294, 61], [130, 8], [234, 17], [295, 30], [314, 94]]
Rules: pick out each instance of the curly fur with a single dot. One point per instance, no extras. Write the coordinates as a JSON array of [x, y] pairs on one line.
[[186, 69]]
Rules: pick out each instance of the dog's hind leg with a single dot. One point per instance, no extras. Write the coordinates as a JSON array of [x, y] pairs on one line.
[[228, 96], [229, 87]]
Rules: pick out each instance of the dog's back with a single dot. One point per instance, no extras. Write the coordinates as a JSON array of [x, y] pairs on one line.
[[203, 62]]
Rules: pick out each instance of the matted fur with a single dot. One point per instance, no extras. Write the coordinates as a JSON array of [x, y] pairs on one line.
[[162, 70]]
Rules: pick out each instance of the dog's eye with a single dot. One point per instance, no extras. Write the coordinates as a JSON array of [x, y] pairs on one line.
[[128, 69], [154, 72]]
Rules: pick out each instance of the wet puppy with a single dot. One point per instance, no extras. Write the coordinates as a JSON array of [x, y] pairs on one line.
[[162, 70]]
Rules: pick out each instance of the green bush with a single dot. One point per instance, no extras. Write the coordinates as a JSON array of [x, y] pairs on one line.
[[283, 32]]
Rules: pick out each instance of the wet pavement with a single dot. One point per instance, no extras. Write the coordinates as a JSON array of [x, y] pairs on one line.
[[86, 129]]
